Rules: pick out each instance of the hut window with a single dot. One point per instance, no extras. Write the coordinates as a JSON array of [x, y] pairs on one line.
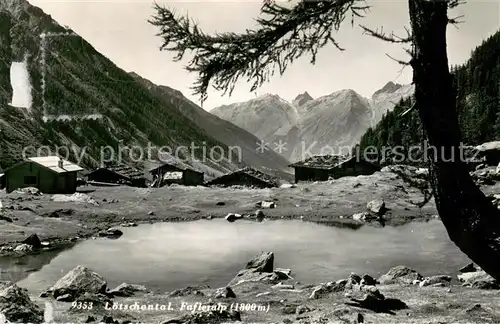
[[29, 180]]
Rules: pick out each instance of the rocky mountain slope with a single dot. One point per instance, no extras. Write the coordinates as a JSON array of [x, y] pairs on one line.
[[236, 138], [84, 102], [313, 126], [267, 116]]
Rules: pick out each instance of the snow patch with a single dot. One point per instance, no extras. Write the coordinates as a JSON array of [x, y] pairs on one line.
[[47, 118], [21, 85], [77, 197]]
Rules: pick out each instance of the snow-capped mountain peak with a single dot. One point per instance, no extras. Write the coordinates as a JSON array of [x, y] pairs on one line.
[[389, 87], [302, 99], [336, 120]]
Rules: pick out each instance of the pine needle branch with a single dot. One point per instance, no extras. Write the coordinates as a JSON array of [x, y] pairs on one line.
[[391, 38]]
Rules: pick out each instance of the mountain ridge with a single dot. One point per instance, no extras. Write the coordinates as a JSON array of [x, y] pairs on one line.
[[71, 79], [333, 121]]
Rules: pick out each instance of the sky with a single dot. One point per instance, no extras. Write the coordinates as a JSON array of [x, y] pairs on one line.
[[119, 30]]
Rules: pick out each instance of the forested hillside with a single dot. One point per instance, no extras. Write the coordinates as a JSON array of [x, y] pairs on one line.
[[477, 84]]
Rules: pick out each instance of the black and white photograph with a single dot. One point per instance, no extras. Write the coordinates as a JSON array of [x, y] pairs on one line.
[[249, 161]]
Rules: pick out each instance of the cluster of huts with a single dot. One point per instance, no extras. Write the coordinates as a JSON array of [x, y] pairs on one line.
[[52, 174]]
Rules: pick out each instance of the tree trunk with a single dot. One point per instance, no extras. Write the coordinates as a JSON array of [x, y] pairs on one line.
[[472, 221]]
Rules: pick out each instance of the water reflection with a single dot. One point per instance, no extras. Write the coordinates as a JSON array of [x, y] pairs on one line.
[[16, 268], [168, 256]]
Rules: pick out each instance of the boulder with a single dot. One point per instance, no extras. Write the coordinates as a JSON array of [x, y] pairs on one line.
[[326, 288], [263, 262], [287, 186], [224, 292], [79, 281], [478, 279], [34, 241], [361, 217], [400, 274], [189, 290], [210, 317], [231, 217], [301, 309], [253, 275], [259, 214], [16, 305], [267, 204], [372, 290], [131, 224], [353, 280], [289, 309], [435, 280], [471, 267], [111, 232], [376, 206], [126, 290], [23, 248], [283, 274], [288, 272], [368, 280], [378, 303]]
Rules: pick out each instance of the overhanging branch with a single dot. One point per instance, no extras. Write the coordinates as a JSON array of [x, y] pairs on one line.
[[284, 35]]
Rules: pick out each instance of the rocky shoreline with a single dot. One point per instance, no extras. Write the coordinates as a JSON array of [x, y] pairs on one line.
[[260, 293], [36, 224], [59, 220]]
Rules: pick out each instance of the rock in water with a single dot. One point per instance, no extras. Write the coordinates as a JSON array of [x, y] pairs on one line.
[[264, 262], [111, 232], [259, 215], [23, 248], [231, 217], [16, 305], [400, 274], [79, 281]]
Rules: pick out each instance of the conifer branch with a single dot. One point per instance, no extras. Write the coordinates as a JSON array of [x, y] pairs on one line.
[[284, 35]]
